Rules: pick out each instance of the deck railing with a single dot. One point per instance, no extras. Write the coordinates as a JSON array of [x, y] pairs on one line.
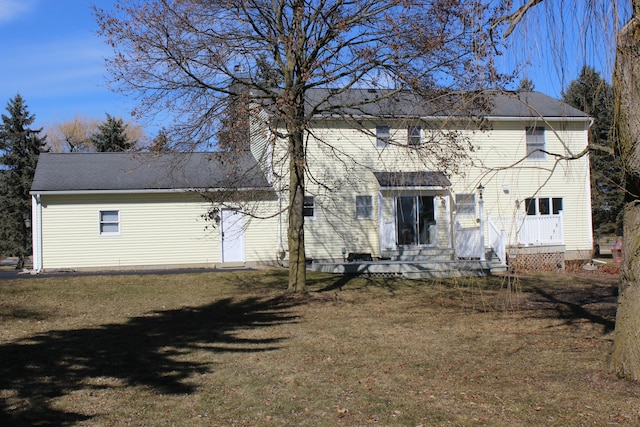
[[468, 242], [497, 241], [530, 230]]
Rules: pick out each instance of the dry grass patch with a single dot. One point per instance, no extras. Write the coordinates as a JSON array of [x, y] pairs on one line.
[[233, 349]]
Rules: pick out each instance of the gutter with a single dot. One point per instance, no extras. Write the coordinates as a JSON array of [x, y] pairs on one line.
[[462, 118], [142, 191]]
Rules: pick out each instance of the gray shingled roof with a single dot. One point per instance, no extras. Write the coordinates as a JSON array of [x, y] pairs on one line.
[[378, 103], [412, 179], [77, 172]]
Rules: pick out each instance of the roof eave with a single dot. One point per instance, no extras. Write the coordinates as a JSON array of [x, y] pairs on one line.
[[435, 118], [144, 191]]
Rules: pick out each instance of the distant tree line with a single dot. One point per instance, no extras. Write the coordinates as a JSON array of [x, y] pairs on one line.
[[85, 134]]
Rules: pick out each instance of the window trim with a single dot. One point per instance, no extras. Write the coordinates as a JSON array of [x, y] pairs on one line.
[[368, 206], [543, 206], [535, 140], [468, 206], [306, 205], [382, 138], [555, 209], [102, 222], [414, 135]]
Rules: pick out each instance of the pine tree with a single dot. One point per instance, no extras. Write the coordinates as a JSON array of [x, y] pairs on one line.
[[20, 146], [111, 136], [593, 95]]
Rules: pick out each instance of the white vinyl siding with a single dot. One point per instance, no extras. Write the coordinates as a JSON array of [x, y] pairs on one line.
[[342, 158], [158, 230]]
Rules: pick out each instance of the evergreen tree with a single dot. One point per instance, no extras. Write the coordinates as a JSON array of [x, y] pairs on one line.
[[20, 146], [111, 136], [593, 95]]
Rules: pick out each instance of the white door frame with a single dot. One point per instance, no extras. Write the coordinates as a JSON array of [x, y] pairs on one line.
[[232, 239]]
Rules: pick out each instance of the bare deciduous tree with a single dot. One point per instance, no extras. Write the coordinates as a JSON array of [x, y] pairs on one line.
[[625, 360], [181, 57], [604, 19], [74, 136]]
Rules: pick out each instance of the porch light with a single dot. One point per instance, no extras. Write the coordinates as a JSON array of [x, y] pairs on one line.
[[480, 189], [27, 221], [344, 254]]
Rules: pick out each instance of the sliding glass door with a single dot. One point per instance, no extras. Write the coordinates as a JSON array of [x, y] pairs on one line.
[[415, 220]]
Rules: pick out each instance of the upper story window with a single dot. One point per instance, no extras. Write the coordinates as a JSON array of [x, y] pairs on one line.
[[109, 222], [414, 134], [383, 135], [309, 208], [364, 207], [543, 205], [466, 203], [535, 143]]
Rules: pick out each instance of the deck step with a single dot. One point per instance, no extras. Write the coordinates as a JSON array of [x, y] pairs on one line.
[[408, 269], [415, 264]]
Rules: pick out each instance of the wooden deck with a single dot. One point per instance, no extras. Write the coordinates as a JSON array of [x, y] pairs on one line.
[[415, 264]]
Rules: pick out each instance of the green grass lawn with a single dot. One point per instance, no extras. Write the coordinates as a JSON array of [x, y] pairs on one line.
[[233, 349]]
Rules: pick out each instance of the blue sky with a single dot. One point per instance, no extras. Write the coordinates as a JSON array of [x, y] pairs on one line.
[[52, 56]]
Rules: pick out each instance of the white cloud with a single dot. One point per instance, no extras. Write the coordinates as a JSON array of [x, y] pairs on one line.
[[11, 9]]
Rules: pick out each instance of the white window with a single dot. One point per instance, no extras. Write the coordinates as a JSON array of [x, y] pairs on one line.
[[415, 135], [535, 143], [109, 222], [364, 207], [309, 208], [466, 203], [543, 205], [383, 135]]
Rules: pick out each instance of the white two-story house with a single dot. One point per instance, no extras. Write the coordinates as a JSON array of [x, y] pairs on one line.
[[390, 179], [398, 175]]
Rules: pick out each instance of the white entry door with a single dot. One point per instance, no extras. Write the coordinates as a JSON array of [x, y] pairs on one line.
[[232, 235]]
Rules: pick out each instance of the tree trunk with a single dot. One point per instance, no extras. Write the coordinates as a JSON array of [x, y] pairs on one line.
[[625, 358], [297, 258]]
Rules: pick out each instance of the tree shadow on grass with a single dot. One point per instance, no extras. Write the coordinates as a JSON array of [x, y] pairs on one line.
[[594, 304], [145, 351]]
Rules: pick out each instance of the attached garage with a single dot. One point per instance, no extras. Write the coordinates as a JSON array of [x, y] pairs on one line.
[[95, 211]]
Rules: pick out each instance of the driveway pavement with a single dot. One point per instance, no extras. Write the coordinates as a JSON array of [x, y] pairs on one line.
[[9, 273]]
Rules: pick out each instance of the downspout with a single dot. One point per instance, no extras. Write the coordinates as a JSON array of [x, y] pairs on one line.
[[36, 233], [452, 236], [281, 253], [588, 189]]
